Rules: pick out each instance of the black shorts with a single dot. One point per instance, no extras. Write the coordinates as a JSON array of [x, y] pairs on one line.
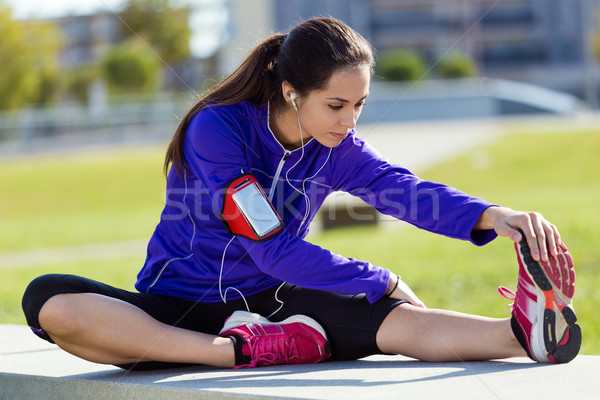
[[350, 321]]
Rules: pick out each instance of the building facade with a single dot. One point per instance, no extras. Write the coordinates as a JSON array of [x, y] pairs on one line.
[[544, 42], [87, 37]]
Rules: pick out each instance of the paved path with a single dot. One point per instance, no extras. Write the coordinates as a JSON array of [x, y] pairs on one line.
[[33, 369]]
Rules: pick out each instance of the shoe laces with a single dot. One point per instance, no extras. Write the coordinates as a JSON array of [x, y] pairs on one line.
[[507, 294], [272, 350]]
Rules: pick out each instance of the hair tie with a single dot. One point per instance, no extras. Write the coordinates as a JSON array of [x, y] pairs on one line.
[[395, 286]]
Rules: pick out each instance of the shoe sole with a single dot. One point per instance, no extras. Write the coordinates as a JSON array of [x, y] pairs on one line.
[[555, 285], [243, 317]]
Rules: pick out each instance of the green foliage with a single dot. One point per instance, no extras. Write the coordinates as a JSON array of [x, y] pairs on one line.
[[131, 67], [17, 80], [28, 56], [456, 65], [80, 79], [49, 87], [44, 40], [401, 65], [164, 27]]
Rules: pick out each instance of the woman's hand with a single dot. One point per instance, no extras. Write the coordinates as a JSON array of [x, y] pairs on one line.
[[403, 292], [542, 237]]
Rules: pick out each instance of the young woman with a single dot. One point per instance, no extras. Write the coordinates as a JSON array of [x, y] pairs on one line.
[[248, 168]]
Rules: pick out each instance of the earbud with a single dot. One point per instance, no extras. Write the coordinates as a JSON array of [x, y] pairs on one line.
[[293, 99]]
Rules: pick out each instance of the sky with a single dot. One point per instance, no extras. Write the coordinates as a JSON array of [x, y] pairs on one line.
[[207, 21], [56, 8]]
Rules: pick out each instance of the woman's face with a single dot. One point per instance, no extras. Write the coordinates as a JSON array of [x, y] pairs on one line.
[[329, 114]]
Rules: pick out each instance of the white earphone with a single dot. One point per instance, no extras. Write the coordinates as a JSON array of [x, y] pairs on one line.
[[293, 99]]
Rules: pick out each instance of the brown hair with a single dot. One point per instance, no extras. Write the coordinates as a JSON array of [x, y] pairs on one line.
[[306, 58]]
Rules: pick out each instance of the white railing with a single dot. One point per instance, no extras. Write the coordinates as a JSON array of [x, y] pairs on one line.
[[30, 130]]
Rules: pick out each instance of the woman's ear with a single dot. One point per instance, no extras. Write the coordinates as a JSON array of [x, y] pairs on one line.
[[287, 90]]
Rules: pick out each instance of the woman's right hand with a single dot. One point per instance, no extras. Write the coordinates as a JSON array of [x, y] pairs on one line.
[[403, 292]]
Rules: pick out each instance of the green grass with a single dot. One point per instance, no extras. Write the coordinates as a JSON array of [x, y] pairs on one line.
[[83, 198], [111, 196]]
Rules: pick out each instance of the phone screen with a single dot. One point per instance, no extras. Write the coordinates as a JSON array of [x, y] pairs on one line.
[[257, 210]]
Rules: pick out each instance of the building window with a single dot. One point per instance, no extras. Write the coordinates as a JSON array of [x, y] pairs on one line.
[[514, 53], [513, 14]]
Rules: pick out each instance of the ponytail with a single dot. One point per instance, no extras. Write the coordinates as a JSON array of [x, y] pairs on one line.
[[255, 80]]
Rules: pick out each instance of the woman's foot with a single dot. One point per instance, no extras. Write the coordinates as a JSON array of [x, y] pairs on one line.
[[260, 342], [543, 319]]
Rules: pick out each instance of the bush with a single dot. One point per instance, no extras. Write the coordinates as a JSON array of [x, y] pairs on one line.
[[79, 81], [456, 65], [49, 87], [401, 65], [131, 67]]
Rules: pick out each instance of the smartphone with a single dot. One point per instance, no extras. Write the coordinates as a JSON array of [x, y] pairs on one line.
[[256, 208]]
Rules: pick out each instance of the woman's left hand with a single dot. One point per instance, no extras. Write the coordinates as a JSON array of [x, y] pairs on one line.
[[402, 291], [542, 237]]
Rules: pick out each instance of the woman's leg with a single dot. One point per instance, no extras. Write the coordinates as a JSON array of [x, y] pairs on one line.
[[110, 331], [109, 325], [439, 335]]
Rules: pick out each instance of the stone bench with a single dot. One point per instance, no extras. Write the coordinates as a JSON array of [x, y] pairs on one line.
[[33, 369]]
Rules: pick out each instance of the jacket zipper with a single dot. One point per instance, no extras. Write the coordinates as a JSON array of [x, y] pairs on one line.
[[286, 154]]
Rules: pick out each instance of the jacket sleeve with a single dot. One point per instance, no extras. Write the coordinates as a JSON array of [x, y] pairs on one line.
[[214, 150], [395, 191]]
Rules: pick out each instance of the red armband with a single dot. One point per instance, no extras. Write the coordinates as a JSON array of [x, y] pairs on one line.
[[247, 210]]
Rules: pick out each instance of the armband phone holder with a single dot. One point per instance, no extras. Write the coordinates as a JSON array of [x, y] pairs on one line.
[[247, 210]]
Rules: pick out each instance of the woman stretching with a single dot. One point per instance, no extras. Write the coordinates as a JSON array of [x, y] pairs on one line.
[[229, 280]]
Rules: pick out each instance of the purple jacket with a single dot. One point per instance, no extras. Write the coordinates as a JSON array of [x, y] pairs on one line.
[[189, 256]]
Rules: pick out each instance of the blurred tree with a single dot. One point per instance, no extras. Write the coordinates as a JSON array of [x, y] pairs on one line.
[[401, 65], [164, 27], [80, 79], [456, 65], [45, 41], [17, 80], [595, 43], [28, 58], [129, 67]]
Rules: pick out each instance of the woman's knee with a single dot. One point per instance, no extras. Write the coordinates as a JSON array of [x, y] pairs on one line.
[[57, 316], [35, 301], [37, 293]]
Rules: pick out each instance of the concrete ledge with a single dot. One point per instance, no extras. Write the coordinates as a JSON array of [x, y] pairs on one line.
[[33, 369]]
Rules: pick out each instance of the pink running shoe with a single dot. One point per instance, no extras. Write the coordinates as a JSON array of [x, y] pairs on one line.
[[259, 342], [543, 319]]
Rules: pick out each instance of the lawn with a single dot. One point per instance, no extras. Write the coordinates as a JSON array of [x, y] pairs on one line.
[[80, 198], [107, 196]]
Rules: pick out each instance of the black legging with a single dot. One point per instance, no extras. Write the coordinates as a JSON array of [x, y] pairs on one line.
[[350, 321]]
